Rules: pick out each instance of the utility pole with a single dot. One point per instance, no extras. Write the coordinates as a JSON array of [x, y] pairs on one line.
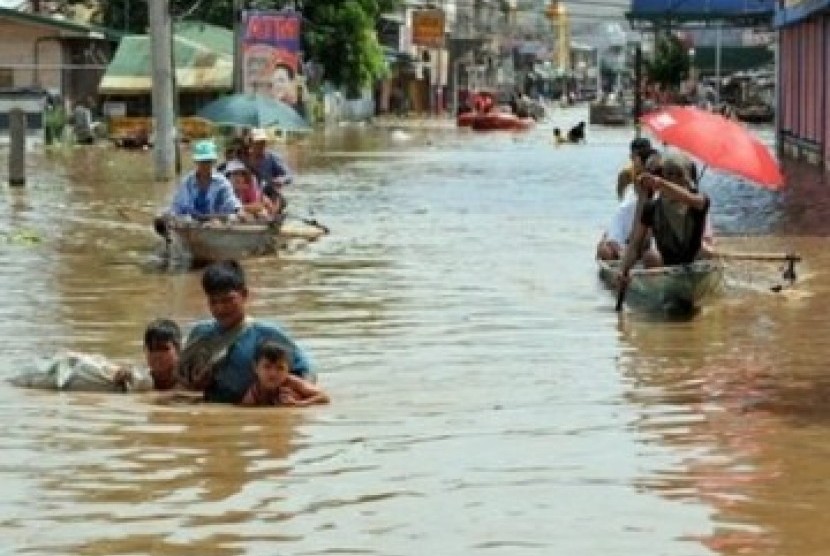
[[161, 33], [238, 6], [638, 88]]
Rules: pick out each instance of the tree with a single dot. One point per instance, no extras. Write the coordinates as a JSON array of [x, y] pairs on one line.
[[670, 63], [340, 35], [337, 34]]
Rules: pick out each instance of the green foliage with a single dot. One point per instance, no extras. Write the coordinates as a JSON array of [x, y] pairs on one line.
[[22, 236], [670, 63], [338, 34]]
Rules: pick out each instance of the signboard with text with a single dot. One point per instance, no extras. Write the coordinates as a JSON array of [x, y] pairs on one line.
[[271, 54], [428, 28]]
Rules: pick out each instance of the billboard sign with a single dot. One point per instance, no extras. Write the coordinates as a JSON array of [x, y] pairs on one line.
[[428, 28], [271, 53]]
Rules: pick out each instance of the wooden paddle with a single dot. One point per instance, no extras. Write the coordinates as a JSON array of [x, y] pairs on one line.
[[313, 222], [789, 258], [759, 257], [621, 296]]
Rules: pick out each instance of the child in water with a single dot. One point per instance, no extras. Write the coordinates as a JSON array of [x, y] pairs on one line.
[[275, 385], [69, 370]]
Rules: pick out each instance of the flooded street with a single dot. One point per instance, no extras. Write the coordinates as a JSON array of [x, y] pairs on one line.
[[486, 397]]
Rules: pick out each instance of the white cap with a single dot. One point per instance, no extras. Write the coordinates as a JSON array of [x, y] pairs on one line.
[[235, 166]]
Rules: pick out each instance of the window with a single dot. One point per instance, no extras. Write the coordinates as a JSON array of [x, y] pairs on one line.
[[6, 77]]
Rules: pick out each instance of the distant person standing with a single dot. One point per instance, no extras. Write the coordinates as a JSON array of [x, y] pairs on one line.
[[82, 124], [54, 120]]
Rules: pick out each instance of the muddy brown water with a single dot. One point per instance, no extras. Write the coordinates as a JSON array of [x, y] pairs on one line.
[[487, 399]]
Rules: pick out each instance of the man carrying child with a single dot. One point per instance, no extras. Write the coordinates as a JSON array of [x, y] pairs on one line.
[[219, 356]]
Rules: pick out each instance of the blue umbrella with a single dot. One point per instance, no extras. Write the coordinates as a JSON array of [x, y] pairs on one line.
[[250, 110]]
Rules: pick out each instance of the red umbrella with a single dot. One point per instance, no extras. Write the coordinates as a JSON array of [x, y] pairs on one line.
[[716, 141]]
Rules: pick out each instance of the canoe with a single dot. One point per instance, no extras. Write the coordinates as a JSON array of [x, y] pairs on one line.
[[755, 113], [206, 243], [672, 289]]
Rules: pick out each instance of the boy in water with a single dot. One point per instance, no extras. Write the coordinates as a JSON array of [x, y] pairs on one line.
[[275, 385], [162, 347]]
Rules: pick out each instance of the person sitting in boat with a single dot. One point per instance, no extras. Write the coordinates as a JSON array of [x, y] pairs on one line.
[[274, 383], [237, 149], [245, 187], [676, 216], [616, 237], [638, 152], [268, 166], [204, 193], [577, 133], [218, 357], [70, 370]]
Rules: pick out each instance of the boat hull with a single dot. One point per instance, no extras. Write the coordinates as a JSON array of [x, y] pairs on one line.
[[680, 289], [499, 121], [465, 119], [208, 243]]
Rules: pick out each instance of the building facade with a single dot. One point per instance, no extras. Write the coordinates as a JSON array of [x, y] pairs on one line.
[[803, 129], [52, 54]]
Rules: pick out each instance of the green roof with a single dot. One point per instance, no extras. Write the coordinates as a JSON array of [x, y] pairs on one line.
[[203, 54], [82, 29], [210, 36]]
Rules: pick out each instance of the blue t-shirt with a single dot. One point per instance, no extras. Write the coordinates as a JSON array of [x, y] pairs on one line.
[[236, 374], [270, 167]]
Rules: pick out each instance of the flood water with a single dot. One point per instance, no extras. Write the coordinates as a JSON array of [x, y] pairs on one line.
[[487, 399]]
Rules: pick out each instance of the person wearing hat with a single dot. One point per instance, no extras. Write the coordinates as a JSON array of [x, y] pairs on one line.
[[245, 188], [676, 216], [203, 192], [268, 166]]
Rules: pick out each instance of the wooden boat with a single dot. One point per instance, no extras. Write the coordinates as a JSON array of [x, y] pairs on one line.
[[755, 113], [493, 121], [680, 289], [209, 242], [608, 114]]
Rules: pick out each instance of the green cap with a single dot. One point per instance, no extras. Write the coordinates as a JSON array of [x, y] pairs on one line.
[[204, 150]]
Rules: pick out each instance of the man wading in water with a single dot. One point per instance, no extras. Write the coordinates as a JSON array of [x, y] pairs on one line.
[[219, 354]]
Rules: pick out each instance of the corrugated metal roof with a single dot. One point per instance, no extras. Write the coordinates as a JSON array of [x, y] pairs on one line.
[[699, 9], [789, 15], [203, 55], [80, 29]]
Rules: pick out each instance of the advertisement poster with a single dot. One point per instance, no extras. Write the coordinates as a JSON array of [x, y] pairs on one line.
[[271, 54], [428, 28]]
